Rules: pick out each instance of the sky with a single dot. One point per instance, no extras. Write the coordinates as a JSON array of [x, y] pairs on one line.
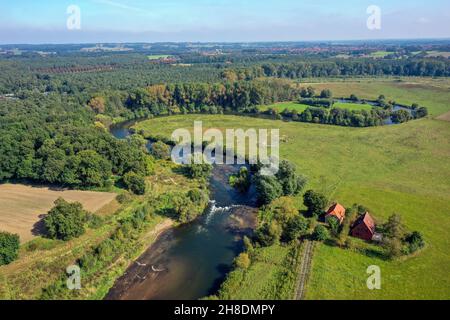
[[45, 21]]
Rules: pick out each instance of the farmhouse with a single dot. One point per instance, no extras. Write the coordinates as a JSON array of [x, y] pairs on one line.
[[336, 211], [364, 227]]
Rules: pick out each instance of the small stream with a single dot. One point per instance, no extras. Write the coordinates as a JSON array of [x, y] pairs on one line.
[[191, 261]]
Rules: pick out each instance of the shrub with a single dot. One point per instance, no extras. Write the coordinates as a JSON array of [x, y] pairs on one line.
[[199, 171], [268, 234], [9, 247], [94, 221], [242, 261], [135, 183], [241, 181], [321, 233], [123, 197], [414, 242], [160, 150], [65, 221]]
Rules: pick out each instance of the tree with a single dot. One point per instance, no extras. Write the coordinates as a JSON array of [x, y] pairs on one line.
[[311, 92], [295, 227], [9, 247], [267, 189], [97, 104], [282, 210], [315, 202], [335, 226], [421, 112], [326, 94], [160, 150], [135, 183], [93, 169], [394, 227], [321, 233], [401, 116], [65, 221], [241, 181], [392, 247], [268, 234], [242, 261], [199, 171], [291, 182]]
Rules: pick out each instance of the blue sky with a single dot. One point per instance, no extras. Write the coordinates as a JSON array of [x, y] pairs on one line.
[[44, 21]]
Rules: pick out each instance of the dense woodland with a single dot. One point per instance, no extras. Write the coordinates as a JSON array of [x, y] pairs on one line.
[[55, 109]]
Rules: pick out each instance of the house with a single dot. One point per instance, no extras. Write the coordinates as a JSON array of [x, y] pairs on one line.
[[336, 211], [364, 227]]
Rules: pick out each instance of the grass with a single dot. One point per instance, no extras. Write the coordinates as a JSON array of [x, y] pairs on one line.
[[352, 106], [390, 169], [302, 107], [158, 56], [271, 276], [286, 105], [379, 54]]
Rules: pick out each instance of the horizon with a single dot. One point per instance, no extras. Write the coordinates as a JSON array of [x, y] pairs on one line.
[[319, 41], [207, 21]]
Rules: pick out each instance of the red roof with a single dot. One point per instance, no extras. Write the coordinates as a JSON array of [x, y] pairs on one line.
[[336, 210], [364, 227]]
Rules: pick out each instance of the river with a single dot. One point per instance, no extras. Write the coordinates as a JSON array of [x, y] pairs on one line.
[[191, 261]]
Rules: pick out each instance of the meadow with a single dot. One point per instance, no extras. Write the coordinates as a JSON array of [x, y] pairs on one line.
[[402, 169]]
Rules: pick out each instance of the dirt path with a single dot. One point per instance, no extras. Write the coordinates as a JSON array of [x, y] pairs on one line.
[[304, 270]]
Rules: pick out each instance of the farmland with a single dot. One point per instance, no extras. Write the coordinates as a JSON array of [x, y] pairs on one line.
[[22, 207], [371, 166]]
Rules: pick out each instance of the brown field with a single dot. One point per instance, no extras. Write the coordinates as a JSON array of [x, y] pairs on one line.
[[23, 207], [445, 117]]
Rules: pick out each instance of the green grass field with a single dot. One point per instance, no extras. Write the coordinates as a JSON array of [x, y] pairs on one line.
[[286, 105], [352, 106], [271, 276], [158, 56], [302, 107], [401, 169], [379, 54]]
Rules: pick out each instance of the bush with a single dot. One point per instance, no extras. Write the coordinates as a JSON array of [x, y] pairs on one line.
[[268, 234], [9, 247], [241, 181], [199, 171], [414, 242], [242, 261], [321, 233], [94, 221], [135, 183], [160, 150], [65, 221], [123, 197]]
